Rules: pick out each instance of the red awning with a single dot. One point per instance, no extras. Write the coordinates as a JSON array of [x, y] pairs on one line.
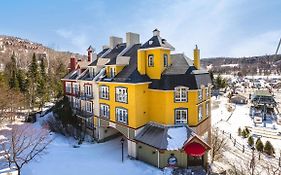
[[195, 149]]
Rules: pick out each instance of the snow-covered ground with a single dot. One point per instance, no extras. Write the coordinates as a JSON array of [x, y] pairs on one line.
[[89, 158], [101, 159]]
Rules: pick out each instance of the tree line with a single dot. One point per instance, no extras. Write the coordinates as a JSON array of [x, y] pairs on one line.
[[31, 87]]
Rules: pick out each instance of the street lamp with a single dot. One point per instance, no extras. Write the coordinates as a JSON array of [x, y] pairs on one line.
[[122, 143], [252, 163]]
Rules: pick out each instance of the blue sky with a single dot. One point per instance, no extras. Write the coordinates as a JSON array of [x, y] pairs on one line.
[[219, 27]]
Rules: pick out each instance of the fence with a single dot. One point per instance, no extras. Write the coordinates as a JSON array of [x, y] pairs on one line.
[[246, 149]]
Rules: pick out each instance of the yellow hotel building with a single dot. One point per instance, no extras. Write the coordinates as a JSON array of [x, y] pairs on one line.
[[158, 100]]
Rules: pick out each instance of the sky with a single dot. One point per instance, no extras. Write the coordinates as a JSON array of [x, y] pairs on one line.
[[219, 27]]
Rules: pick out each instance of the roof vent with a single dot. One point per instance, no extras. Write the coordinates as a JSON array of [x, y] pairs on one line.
[[150, 42]]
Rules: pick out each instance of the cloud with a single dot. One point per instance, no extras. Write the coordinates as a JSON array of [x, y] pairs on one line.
[[78, 41]]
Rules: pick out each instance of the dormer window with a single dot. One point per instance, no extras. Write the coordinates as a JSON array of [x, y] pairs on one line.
[[165, 60], [150, 60], [181, 94], [112, 72]]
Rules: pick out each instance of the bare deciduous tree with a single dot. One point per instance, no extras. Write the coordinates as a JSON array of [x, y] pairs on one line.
[[219, 143], [23, 143]]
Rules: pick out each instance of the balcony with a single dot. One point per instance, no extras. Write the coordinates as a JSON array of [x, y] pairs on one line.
[[83, 114], [82, 96]]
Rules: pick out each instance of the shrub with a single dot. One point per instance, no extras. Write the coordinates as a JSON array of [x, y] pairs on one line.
[[259, 145], [268, 148], [239, 131], [245, 133], [251, 141]]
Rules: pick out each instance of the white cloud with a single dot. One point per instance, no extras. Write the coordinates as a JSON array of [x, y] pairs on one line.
[[78, 41]]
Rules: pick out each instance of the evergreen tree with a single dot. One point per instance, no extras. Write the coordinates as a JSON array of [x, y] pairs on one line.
[[42, 84], [259, 145], [268, 148], [33, 79], [11, 73], [251, 141]]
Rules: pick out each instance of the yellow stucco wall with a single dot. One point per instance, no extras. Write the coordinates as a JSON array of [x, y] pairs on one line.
[[156, 70], [146, 104]]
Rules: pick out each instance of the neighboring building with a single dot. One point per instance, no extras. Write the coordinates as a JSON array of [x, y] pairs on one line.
[[159, 101]]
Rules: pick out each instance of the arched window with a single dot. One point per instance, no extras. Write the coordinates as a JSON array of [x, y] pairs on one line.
[[150, 60]]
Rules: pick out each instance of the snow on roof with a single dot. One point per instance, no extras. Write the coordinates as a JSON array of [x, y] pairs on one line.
[[176, 138]]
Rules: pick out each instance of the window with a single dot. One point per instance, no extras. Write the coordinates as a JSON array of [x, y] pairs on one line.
[[150, 60], [112, 72], [89, 107], [76, 103], [76, 88], [104, 110], [121, 94], [207, 92], [181, 94], [200, 114], [181, 116], [207, 109], [68, 87], [88, 90], [104, 92], [200, 94], [122, 115], [89, 123], [165, 60]]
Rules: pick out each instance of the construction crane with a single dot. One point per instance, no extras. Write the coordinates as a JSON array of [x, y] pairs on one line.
[[278, 47]]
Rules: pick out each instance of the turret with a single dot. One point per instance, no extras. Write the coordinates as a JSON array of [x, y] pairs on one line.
[[196, 54]]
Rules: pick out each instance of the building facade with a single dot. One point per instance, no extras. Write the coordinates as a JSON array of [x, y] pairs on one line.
[[158, 100]]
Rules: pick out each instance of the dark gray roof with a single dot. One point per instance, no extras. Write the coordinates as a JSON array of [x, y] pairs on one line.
[[157, 41], [73, 75], [179, 65], [130, 73], [157, 135], [94, 63], [112, 55], [86, 76]]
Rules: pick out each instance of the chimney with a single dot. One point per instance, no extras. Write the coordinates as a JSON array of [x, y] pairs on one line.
[[113, 41], [196, 54], [90, 55], [156, 32], [72, 64], [132, 38]]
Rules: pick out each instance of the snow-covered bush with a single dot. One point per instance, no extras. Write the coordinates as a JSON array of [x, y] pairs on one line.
[[268, 148], [251, 141], [259, 145]]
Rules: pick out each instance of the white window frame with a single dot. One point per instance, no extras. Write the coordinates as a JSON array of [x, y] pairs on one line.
[[200, 94], [76, 88], [121, 115], [166, 60], [68, 87], [181, 94], [207, 109], [181, 115], [121, 94], [89, 107], [150, 60], [88, 90], [200, 113], [104, 110], [76, 103], [104, 92]]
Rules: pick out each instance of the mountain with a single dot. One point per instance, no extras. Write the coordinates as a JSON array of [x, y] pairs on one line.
[[24, 49]]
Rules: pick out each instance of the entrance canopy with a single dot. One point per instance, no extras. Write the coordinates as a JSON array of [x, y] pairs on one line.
[[194, 149]]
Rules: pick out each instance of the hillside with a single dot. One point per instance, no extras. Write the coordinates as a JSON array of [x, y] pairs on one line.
[[248, 65], [24, 49]]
